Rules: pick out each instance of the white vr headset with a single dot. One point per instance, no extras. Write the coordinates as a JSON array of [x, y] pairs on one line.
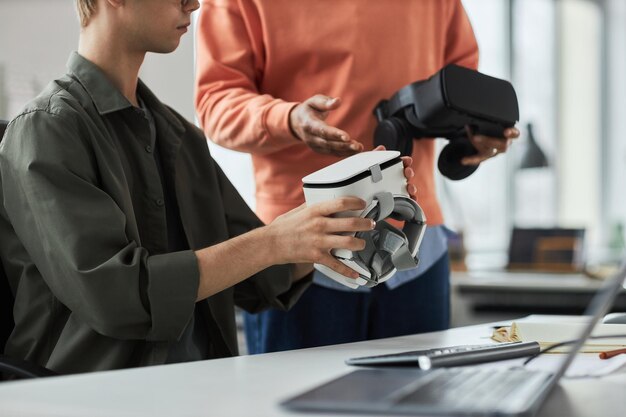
[[378, 178]]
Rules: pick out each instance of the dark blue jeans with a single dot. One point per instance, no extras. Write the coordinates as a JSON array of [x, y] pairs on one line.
[[324, 316]]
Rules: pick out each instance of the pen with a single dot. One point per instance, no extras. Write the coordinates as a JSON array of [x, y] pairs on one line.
[[609, 354]]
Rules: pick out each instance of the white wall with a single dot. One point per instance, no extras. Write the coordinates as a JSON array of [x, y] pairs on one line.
[[36, 38], [171, 76], [33, 48]]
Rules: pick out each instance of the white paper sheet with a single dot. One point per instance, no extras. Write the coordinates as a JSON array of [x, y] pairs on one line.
[[585, 365]]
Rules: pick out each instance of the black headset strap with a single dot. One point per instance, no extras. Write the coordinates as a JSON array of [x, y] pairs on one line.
[[401, 99]]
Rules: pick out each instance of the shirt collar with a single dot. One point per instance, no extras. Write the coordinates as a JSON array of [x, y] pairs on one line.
[[158, 108], [106, 97]]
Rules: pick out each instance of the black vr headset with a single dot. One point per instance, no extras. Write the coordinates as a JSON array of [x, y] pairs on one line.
[[442, 106]]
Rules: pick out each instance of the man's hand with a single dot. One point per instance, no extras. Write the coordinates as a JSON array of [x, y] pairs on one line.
[[487, 146], [302, 236], [308, 234], [307, 122]]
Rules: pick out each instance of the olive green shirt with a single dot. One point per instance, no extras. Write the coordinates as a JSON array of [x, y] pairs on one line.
[[84, 233]]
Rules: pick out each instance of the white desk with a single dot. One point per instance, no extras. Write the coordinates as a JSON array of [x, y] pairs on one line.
[[498, 294], [254, 385]]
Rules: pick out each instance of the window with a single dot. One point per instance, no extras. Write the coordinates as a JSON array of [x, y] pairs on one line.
[[566, 60], [477, 205], [614, 155]]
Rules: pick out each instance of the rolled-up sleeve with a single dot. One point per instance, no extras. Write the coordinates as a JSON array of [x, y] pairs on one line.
[[171, 300], [76, 235]]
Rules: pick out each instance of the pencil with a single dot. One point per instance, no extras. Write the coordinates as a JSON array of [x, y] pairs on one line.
[[609, 354]]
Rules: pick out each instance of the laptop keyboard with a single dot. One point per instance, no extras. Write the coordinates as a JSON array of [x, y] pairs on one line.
[[467, 388]]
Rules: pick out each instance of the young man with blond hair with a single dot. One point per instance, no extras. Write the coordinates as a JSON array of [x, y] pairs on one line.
[[124, 243]]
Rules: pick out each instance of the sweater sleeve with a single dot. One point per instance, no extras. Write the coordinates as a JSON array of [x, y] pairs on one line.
[[461, 46], [229, 68]]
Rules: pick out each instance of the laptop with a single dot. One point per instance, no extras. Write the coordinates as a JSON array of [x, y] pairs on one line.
[[455, 391]]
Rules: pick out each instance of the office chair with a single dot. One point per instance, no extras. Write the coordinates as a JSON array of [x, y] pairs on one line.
[[12, 367]]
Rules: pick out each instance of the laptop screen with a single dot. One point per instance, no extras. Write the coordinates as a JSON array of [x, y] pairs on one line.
[[598, 307]]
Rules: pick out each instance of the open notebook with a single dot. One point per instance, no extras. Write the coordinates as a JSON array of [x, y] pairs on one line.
[[549, 332]]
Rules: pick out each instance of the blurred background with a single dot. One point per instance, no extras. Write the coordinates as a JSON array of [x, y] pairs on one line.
[[554, 206]]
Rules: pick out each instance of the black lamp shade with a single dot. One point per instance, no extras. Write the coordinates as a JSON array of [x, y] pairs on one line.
[[534, 156]]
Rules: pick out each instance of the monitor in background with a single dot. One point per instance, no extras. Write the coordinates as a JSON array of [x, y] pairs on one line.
[[546, 250]]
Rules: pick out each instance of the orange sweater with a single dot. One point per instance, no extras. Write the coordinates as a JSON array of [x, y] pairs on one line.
[[256, 59]]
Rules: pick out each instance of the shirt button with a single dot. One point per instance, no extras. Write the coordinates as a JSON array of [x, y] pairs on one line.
[[148, 148], [159, 202]]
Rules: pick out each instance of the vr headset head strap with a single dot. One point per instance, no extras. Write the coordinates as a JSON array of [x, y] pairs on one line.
[[388, 247]]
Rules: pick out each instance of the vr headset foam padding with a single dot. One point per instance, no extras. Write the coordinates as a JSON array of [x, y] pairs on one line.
[[442, 106]]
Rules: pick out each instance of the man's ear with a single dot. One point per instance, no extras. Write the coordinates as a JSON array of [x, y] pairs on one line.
[[115, 3]]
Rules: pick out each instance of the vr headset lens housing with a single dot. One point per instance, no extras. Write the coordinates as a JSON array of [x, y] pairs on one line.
[[442, 106]]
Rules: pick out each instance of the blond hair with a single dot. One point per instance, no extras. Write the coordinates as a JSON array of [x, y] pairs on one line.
[[85, 9]]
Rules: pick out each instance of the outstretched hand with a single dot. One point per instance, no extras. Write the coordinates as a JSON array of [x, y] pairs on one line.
[[308, 123]]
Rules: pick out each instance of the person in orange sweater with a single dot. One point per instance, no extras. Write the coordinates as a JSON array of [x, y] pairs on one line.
[[294, 84]]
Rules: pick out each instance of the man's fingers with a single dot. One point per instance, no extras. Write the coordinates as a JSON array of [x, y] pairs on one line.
[[335, 148], [349, 224], [473, 160], [317, 127], [323, 103], [339, 267], [489, 144], [412, 190], [512, 133], [338, 205], [488, 147], [344, 242], [482, 156]]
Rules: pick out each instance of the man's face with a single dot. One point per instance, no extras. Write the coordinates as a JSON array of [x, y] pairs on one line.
[[157, 25]]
